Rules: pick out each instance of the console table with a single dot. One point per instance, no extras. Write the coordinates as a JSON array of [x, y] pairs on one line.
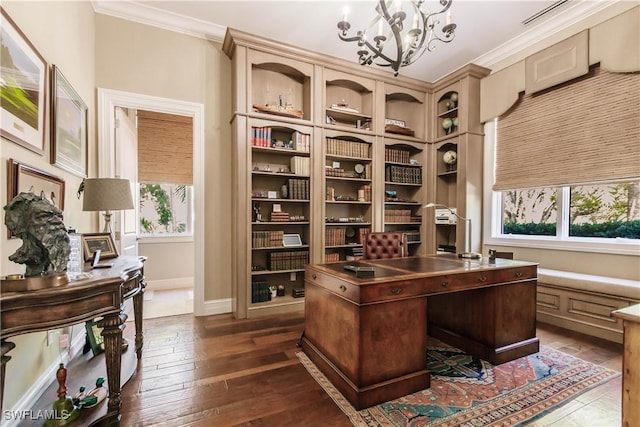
[[101, 295], [369, 335]]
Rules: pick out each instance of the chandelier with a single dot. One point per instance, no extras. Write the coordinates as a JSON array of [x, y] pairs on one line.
[[410, 45]]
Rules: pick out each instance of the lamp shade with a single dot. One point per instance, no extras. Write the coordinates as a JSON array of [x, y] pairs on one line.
[[107, 194]]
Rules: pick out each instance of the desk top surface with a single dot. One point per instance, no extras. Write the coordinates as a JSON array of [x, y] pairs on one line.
[[411, 267]]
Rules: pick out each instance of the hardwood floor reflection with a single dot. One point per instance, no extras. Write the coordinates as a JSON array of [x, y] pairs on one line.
[[219, 371]]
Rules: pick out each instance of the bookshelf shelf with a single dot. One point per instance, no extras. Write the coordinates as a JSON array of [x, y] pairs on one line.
[[279, 248], [269, 272]]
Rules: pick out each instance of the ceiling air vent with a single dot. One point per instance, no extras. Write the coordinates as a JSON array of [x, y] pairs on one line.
[[544, 11]]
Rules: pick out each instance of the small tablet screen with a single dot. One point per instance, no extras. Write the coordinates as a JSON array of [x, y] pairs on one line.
[[291, 240]]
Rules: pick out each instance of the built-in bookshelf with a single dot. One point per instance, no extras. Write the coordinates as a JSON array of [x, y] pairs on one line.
[[280, 210], [403, 191], [348, 195], [329, 151]]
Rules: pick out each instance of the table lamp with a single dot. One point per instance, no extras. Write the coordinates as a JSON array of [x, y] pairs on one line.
[[107, 194], [467, 254]]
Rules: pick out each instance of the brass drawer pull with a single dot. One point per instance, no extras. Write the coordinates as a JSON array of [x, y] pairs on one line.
[[519, 274], [482, 279], [313, 276], [396, 291], [444, 284], [343, 288]]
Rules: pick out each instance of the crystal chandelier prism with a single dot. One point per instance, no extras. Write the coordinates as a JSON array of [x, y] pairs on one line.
[[388, 42]]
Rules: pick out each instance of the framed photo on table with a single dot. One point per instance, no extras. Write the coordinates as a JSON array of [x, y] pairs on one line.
[[91, 242], [68, 126], [23, 96]]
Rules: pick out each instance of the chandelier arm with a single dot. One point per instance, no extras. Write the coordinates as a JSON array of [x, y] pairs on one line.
[[421, 37]]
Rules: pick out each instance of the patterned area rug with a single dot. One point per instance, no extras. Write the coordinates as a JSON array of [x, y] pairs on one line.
[[467, 391]]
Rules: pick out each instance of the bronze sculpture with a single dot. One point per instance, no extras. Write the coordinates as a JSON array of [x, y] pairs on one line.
[[45, 243]]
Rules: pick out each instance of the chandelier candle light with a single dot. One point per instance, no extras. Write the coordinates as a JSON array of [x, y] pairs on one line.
[[467, 254], [409, 45]]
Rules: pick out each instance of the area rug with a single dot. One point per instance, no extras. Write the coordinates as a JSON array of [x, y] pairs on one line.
[[467, 391]]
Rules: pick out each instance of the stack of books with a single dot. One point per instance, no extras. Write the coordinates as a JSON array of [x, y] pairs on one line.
[[279, 217]]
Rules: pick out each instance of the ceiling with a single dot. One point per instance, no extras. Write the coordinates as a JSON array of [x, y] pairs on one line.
[[487, 31]]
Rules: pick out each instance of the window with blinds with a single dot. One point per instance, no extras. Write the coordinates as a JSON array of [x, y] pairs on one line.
[[584, 131], [165, 173], [567, 165]]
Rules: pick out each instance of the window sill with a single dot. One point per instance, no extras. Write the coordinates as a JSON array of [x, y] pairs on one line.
[[164, 239], [618, 247]]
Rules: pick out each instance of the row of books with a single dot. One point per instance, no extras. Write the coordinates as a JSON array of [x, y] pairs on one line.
[[294, 260], [342, 147], [335, 236], [266, 239], [299, 189], [262, 137], [300, 165], [400, 215], [260, 291], [332, 257], [403, 174], [397, 155]]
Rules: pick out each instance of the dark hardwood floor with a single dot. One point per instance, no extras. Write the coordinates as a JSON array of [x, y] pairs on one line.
[[219, 371]]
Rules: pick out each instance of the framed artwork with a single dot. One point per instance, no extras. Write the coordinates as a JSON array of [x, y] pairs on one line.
[[27, 179], [68, 126], [91, 242], [23, 95], [94, 334]]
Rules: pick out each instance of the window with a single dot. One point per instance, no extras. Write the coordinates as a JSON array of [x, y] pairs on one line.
[[597, 211], [165, 210]]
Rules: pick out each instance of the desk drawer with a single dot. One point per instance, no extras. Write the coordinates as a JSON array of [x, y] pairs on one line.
[[333, 284], [426, 286], [516, 274]]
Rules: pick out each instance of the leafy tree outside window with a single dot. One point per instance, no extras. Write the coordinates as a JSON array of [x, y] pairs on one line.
[[165, 209], [605, 211]]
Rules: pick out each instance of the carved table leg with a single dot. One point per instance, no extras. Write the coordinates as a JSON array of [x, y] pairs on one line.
[[6, 347], [137, 312], [112, 333]]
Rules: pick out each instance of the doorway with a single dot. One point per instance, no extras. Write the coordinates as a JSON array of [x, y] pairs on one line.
[[108, 100]]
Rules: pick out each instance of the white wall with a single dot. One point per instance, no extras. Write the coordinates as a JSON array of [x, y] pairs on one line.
[[150, 61]]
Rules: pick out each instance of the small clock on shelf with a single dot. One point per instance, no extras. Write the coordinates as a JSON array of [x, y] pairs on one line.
[[359, 169], [450, 158]]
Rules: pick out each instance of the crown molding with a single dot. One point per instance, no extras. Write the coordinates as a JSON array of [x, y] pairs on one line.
[[575, 13], [149, 15]]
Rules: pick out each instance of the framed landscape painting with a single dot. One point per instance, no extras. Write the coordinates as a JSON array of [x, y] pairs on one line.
[[23, 89], [68, 126]]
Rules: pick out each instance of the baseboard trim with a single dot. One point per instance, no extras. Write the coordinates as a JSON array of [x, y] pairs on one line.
[[168, 284], [29, 399], [211, 307]]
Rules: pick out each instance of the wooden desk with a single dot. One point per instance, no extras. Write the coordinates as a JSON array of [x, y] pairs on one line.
[[630, 364], [369, 336], [76, 302]]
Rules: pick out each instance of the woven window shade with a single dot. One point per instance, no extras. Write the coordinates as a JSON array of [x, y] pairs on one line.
[[165, 148], [583, 132]]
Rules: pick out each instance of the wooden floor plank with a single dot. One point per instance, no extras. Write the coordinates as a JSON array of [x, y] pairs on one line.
[[216, 370]]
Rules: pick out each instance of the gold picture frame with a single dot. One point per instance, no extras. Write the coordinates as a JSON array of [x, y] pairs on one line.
[[68, 126], [24, 95], [102, 241]]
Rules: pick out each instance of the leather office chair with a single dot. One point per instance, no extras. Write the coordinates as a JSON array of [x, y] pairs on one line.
[[385, 245], [493, 254]]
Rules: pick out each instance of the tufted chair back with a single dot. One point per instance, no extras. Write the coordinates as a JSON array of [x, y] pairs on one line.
[[385, 245]]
